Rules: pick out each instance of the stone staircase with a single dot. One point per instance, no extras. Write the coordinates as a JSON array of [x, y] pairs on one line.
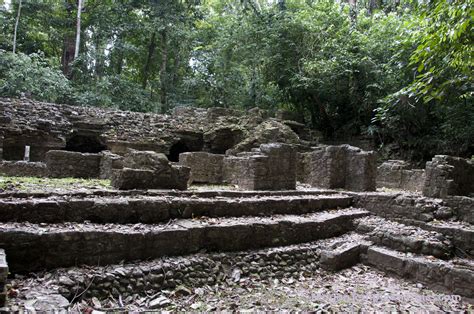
[[158, 240]]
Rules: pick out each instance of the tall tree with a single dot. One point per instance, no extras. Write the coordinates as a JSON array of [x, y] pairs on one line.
[[16, 26], [78, 29]]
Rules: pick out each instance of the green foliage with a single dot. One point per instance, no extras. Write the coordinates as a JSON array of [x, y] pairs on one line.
[[33, 76], [400, 70], [434, 111]]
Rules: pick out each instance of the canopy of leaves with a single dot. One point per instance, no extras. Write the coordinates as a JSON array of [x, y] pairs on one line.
[[397, 70]]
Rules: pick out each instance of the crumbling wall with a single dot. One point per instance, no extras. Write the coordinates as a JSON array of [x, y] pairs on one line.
[[64, 164], [205, 167], [448, 175], [108, 163], [397, 174], [333, 167], [149, 170], [271, 167], [23, 169]]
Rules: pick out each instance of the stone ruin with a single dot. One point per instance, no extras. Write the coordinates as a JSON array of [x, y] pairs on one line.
[[447, 175], [400, 175], [344, 167], [286, 220], [149, 170]]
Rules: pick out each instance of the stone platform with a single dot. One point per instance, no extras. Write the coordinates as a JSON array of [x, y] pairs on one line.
[[196, 238]]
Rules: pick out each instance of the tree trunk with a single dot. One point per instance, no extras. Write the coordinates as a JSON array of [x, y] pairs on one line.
[[151, 52], [68, 44], [16, 26], [78, 29], [163, 70]]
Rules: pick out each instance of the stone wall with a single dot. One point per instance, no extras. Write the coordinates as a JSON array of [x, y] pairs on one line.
[[23, 169], [149, 170], [64, 164], [108, 163], [271, 167], [342, 166], [396, 174], [447, 175], [205, 167]]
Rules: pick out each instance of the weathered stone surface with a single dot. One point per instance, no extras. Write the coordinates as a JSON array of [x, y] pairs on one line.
[[218, 140], [205, 167], [338, 167], [45, 126], [173, 177], [457, 278], [271, 167], [47, 303], [270, 131], [108, 163], [31, 247], [405, 238], [23, 169], [63, 164], [447, 175], [463, 207], [149, 170], [397, 174], [156, 209], [340, 255]]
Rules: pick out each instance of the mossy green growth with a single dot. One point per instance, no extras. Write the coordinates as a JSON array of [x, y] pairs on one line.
[[30, 184]]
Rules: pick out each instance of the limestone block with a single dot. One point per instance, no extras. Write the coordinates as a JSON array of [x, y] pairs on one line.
[[205, 167], [63, 164]]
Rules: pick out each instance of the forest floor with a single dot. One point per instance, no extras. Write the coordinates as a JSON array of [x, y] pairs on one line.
[[63, 185], [359, 288]]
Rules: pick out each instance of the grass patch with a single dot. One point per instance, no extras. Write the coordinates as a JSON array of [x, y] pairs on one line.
[[43, 184]]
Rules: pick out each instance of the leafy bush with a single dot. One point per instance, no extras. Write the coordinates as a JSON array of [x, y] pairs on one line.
[[33, 76]]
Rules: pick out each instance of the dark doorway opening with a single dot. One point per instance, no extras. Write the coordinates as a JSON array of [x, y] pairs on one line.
[[13, 152], [85, 143], [176, 149]]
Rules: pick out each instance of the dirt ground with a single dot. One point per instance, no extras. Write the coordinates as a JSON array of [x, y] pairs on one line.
[[357, 289]]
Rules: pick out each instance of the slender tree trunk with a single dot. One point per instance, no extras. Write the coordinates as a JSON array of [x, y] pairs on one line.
[[163, 71], [78, 29], [149, 59], [16, 26]]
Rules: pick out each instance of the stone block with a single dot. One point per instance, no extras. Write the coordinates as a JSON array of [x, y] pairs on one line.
[[397, 174], [448, 175], [340, 255], [205, 167], [63, 164], [23, 169], [271, 167], [175, 177], [333, 167], [108, 163]]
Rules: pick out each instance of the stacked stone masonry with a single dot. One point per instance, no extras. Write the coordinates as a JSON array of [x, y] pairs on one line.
[[64, 164], [205, 167], [271, 167], [335, 167], [447, 175], [149, 170], [397, 174]]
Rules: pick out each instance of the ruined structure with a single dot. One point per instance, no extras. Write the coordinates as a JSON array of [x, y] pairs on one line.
[[447, 175], [398, 174], [342, 166], [149, 170], [111, 244]]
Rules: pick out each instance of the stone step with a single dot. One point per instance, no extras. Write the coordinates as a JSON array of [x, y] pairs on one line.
[[167, 273], [455, 276], [157, 209], [207, 193], [32, 247], [405, 238]]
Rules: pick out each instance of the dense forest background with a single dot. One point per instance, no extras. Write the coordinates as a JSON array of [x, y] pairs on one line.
[[396, 70]]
